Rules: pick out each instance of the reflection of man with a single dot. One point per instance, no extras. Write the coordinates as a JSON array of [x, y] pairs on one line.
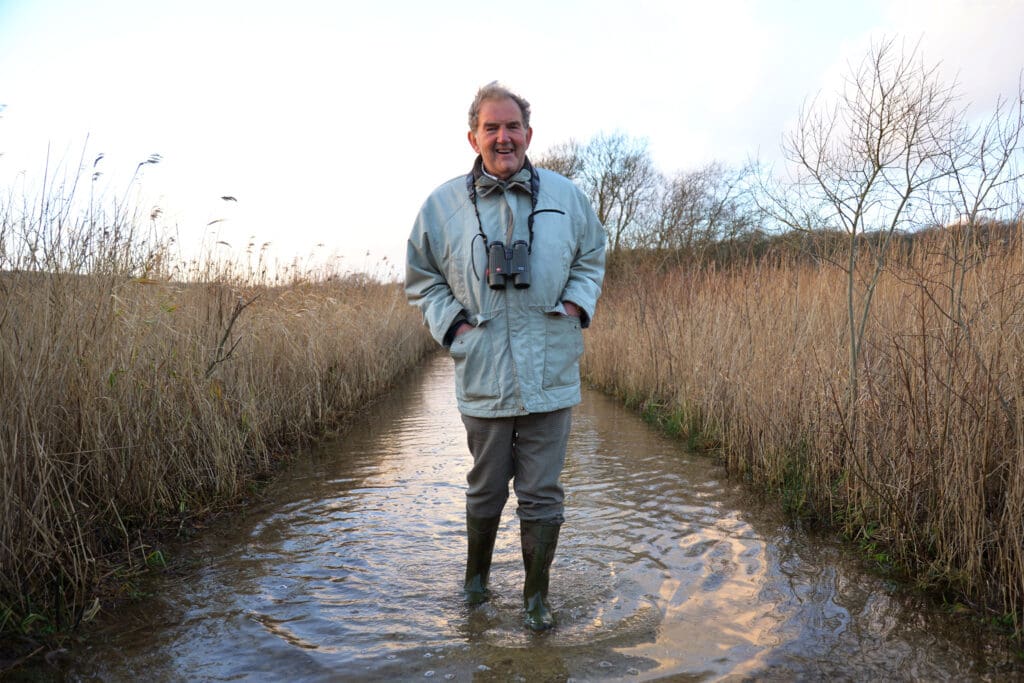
[[506, 265]]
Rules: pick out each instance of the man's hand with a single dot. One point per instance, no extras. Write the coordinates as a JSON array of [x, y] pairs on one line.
[[571, 309], [463, 329]]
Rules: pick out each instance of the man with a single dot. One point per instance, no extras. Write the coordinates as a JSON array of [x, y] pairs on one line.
[[506, 265]]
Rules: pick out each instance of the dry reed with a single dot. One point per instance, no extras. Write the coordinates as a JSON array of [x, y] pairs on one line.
[[133, 392], [930, 474]]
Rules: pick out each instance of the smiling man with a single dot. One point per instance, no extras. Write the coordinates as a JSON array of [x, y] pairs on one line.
[[506, 265], [501, 137]]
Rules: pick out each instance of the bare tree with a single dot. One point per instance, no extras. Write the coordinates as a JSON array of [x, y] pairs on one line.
[[983, 189], [698, 209], [861, 161], [565, 158], [620, 178]]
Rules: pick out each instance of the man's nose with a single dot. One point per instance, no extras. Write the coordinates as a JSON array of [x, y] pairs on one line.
[[502, 134]]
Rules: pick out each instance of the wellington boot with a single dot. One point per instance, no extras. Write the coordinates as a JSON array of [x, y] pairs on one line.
[[481, 532], [539, 540]]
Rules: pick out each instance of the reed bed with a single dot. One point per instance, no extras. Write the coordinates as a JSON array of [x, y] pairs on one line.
[[925, 467], [135, 394]]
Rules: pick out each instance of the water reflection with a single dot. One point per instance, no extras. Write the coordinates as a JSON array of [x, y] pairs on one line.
[[350, 570]]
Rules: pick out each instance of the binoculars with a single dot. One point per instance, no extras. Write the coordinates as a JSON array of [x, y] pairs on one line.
[[508, 262]]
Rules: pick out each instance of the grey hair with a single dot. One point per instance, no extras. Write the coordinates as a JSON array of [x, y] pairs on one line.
[[496, 91]]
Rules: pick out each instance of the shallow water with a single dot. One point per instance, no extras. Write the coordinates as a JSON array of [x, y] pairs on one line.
[[350, 569]]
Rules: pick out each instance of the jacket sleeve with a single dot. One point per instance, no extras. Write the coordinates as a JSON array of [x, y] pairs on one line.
[[586, 273], [426, 286]]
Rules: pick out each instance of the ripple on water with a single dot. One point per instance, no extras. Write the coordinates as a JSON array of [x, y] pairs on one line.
[[351, 569]]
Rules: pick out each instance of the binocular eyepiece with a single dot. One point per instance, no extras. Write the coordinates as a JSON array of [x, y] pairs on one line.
[[508, 262]]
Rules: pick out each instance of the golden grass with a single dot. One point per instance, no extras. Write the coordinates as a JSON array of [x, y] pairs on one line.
[[128, 399], [930, 475]]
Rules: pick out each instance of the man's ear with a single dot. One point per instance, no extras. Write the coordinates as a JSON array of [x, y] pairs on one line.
[[471, 135]]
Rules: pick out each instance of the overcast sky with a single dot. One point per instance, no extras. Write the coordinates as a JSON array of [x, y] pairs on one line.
[[330, 121]]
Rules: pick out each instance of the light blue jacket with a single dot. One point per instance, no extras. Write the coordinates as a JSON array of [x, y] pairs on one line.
[[523, 354]]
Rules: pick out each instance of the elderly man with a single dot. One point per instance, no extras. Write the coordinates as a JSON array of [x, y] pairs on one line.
[[506, 265]]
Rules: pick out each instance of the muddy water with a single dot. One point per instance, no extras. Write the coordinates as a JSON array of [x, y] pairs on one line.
[[350, 570]]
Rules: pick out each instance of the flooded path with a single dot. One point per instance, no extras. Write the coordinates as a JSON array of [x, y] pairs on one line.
[[350, 569]]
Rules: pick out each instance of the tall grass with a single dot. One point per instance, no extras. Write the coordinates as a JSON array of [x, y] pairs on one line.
[[136, 389], [754, 357]]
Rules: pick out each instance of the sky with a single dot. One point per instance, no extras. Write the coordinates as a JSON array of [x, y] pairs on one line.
[[331, 121]]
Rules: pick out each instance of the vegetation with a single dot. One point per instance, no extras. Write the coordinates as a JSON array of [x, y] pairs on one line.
[[752, 360], [137, 392], [860, 350]]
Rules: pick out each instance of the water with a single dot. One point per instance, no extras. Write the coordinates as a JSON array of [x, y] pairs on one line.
[[350, 569]]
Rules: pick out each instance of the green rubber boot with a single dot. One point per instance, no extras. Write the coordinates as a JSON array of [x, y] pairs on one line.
[[539, 540], [481, 532]]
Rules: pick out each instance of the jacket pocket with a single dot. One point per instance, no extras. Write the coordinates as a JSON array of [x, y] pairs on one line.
[[563, 346], [475, 366]]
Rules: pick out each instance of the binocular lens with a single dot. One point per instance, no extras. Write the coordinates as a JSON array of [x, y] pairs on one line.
[[520, 264], [497, 265]]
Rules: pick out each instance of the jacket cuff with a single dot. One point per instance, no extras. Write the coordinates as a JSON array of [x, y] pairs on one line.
[[584, 316], [449, 336]]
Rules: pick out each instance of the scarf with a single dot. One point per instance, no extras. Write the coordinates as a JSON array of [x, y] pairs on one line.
[[486, 183]]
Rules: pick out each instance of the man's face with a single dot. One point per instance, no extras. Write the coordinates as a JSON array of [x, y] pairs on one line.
[[501, 138]]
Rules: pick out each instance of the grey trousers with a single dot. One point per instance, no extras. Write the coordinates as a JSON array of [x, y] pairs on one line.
[[528, 450]]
